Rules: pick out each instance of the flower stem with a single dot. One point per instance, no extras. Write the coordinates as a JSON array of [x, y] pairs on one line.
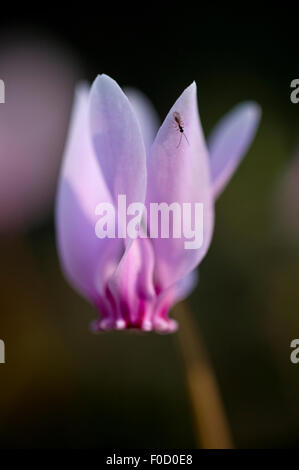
[[210, 421]]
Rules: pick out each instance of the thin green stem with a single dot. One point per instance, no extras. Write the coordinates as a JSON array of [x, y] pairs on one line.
[[210, 421]]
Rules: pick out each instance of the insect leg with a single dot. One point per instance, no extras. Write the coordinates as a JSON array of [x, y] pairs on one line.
[[180, 140], [186, 138]]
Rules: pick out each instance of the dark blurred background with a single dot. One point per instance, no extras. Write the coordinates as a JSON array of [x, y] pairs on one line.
[[61, 386]]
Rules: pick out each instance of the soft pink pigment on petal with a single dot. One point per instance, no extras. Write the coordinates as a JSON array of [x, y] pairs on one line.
[[146, 114], [87, 260], [178, 171], [117, 140], [229, 142], [132, 286], [184, 286], [168, 298]]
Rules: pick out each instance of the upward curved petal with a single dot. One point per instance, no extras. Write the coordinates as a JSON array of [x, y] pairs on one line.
[[87, 260], [117, 140], [185, 286], [146, 114], [167, 298], [132, 286], [229, 142], [178, 171]]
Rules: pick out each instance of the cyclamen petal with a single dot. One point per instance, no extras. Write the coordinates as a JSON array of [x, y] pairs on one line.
[[168, 298], [229, 142], [146, 114], [117, 140], [135, 284], [86, 260], [178, 172], [132, 286]]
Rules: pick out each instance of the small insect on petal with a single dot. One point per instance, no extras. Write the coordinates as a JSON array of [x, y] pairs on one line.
[[179, 124]]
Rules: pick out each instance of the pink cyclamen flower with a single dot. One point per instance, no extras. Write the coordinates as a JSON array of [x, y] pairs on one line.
[[113, 149]]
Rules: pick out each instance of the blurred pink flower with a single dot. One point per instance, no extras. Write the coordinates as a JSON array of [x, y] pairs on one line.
[[114, 148], [39, 80]]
